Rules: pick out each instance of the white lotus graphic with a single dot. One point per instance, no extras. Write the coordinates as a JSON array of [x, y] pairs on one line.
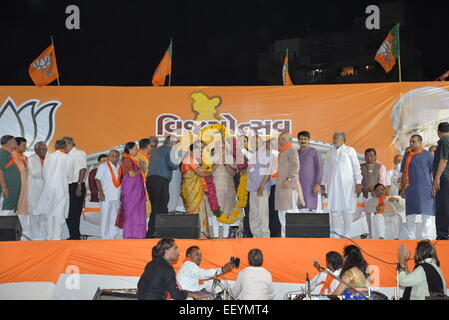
[[32, 120], [385, 49], [43, 64]]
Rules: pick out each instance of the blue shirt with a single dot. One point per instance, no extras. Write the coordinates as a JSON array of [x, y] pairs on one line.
[[161, 164], [262, 165]]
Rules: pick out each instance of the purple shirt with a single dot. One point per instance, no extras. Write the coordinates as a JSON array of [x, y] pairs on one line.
[[262, 165], [310, 173]]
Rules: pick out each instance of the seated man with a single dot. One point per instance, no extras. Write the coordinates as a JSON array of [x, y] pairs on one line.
[[386, 210], [190, 274], [158, 281], [254, 282], [323, 283]]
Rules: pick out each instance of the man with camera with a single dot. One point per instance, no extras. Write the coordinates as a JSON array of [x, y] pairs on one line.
[[190, 274]]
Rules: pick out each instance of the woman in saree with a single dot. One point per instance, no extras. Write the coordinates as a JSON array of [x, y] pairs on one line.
[[132, 212], [193, 188]]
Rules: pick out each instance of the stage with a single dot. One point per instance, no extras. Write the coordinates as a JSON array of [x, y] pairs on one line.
[[49, 269]]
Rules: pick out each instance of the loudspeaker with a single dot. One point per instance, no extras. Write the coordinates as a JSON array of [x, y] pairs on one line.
[[307, 225], [10, 228], [178, 226]]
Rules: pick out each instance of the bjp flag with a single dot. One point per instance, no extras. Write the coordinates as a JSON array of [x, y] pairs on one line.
[[163, 69], [43, 70], [389, 51], [285, 75]]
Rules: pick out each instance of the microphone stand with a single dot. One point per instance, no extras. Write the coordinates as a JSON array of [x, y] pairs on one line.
[[308, 289], [345, 283]]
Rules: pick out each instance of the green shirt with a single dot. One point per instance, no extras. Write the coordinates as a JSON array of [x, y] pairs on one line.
[[12, 177]]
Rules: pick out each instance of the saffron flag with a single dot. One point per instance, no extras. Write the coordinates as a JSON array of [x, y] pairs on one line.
[[164, 68], [389, 51], [285, 75], [44, 70]]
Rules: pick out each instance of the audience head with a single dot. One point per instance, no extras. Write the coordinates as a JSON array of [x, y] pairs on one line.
[[21, 144], [8, 142], [255, 258], [114, 156], [352, 257], [334, 260], [70, 143], [416, 142], [102, 158], [304, 139], [131, 149], [443, 129], [61, 144], [194, 253], [339, 139], [425, 250], [167, 249], [40, 149], [370, 155]]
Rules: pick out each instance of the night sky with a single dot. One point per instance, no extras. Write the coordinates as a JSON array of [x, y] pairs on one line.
[[214, 42]]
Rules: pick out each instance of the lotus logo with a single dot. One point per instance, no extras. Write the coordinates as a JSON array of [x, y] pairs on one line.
[[31, 120], [43, 64], [385, 49]]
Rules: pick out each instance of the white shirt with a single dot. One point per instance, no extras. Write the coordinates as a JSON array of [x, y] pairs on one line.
[[341, 173], [80, 162], [392, 180], [35, 181], [253, 283], [190, 274], [418, 281], [111, 193], [57, 174], [317, 282]]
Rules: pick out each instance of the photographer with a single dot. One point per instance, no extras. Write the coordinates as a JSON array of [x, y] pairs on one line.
[[158, 281], [254, 282], [190, 274]]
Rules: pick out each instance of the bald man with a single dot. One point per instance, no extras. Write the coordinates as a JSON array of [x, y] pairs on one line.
[[288, 195], [107, 180]]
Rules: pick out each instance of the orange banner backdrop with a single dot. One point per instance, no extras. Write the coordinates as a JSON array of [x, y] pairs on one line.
[[99, 118], [288, 260]]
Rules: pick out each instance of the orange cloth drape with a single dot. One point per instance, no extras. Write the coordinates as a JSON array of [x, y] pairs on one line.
[[407, 165]]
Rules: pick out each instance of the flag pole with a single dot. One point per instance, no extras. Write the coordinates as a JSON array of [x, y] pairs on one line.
[[51, 36], [171, 64], [400, 69]]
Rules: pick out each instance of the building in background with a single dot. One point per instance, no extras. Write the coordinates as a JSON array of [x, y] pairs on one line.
[[346, 56]]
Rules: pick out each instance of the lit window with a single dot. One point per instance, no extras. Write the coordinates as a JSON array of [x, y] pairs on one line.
[[347, 71]]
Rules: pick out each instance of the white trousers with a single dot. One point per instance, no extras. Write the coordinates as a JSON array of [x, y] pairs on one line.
[[381, 220], [259, 214], [341, 228], [38, 227], [109, 211], [6, 213], [25, 221], [423, 233], [55, 226], [218, 229], [282, 214]]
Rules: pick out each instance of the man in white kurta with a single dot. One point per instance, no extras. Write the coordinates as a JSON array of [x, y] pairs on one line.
[[54, 202], [386, 211], [393, 182], [35, 188], [107, 180], [342, 179]]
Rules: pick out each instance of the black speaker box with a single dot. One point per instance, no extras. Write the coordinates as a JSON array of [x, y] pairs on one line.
[[307, 225], [10, 228], [178, 226]]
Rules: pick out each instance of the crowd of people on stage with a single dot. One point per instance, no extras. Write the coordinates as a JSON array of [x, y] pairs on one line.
[[146, 180], [346, 276]]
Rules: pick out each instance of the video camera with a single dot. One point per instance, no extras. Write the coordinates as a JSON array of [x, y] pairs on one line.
[[235, 261]]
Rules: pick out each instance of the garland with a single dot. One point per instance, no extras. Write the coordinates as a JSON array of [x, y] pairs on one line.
[[242, 193]]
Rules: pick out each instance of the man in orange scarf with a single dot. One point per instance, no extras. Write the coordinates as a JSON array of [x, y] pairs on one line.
[[417, 169], [107, 180], [386, 211]]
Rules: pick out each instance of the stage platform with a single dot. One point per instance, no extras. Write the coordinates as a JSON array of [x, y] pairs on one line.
[[49, 269]]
